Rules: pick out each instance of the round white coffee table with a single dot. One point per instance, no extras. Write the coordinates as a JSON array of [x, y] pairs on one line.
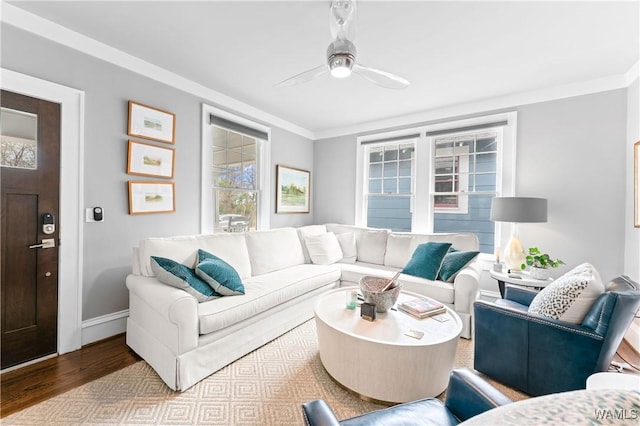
[[376, 360]]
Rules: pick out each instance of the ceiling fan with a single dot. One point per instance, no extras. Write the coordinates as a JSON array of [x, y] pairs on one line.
[[341, 53]]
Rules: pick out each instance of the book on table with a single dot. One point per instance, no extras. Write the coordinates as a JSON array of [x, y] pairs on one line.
[[422, 307]]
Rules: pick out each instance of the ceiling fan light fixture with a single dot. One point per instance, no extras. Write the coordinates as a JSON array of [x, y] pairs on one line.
[[341, 65]]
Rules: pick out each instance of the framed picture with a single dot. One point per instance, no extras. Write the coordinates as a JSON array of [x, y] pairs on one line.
[[150, 160], [151, 197], [293, 187], [151, 123], [636, 184]]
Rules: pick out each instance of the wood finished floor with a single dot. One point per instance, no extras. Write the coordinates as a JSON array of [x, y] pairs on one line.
[[30, 385], [35, 383]]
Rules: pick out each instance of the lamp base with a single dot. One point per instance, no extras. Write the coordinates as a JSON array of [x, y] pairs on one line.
[[514, 253]]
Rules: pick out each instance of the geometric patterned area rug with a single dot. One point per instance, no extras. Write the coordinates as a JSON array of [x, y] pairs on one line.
[[265, 387]]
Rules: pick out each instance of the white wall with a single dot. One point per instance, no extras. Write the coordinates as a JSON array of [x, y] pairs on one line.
[[568, 151]]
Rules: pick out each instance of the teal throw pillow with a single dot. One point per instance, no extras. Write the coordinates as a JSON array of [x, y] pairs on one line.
[[218, 274], [426, 260], [177, 275], [453, 262]]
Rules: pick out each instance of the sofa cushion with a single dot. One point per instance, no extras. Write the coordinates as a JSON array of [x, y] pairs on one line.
[[231, 247], [274, 249], [569, 297], [370, 243], [324, 249], [454, 261], [426, 260], [399, 249], [177, 275], [347, 241], [220, 276], [307, 231], [264, 292]]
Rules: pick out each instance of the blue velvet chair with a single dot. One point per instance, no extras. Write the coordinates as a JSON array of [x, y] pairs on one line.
[[539, 355], [467, 395]]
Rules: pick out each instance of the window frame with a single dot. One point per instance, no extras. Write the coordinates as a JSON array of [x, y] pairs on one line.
[[424, 179], [263, 160]]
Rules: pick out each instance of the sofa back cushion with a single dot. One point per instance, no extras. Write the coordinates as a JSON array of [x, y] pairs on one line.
[[232, 248], [400, 246], [274, 249], [370, 243], [308, 231]]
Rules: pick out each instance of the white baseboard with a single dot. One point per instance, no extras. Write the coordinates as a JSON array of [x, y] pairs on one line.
[[105, 326]]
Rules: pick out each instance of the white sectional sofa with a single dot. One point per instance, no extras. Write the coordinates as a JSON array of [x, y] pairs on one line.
[[186, 341]]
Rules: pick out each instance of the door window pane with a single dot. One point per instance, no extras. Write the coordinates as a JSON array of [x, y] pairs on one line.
[[18, 139]]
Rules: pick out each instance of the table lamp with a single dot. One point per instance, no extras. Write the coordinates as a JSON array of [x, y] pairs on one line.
[[517, 210]]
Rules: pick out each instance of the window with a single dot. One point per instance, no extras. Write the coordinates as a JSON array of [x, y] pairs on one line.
[[465, 177], [390, 174], [235, 189], [234, 151], [439, 178]]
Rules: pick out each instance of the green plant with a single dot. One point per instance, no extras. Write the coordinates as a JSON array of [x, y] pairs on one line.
[[537, 259]]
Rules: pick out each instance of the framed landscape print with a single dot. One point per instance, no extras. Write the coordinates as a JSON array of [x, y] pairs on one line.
[[293, 187], [636, 184], [151, 197], [151, 123], [150, 160]]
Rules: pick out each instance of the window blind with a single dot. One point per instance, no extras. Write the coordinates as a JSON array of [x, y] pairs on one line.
[[237, 127], [392, 139], [467, 128]]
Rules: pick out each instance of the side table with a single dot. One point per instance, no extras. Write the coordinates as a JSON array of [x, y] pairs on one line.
[[520, 278]]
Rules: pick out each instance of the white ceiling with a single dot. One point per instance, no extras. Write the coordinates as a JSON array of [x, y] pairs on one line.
[[452, 52]]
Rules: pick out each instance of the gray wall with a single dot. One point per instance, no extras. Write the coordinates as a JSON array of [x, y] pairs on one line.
[[569, 151], [108, 88]]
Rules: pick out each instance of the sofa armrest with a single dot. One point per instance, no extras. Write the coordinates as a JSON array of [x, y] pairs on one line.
[[466, 288], [318, 413], [469, 395], [169, 314]]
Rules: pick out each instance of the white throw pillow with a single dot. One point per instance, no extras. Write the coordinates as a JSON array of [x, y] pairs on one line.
[[347, 242], [372, 245], [324, 249], [569, 297]]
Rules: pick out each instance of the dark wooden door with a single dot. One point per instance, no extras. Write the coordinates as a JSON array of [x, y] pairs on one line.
[[30, 180]]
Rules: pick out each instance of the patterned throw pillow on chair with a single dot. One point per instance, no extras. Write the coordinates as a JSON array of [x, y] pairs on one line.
[[569, 297]]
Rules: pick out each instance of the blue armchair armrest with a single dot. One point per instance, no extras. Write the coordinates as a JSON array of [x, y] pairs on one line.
[[467, 395]]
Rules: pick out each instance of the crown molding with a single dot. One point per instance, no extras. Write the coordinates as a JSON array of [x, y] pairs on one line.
[[57, 33]]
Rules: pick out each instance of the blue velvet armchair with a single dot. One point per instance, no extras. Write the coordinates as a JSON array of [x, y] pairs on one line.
[[539, 355], [467, 395]]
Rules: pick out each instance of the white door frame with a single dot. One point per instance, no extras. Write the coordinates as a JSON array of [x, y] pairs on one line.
[[71, 198]]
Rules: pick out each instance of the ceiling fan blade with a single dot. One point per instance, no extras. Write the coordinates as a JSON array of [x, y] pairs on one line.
[[381, 78], [303, 77]]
